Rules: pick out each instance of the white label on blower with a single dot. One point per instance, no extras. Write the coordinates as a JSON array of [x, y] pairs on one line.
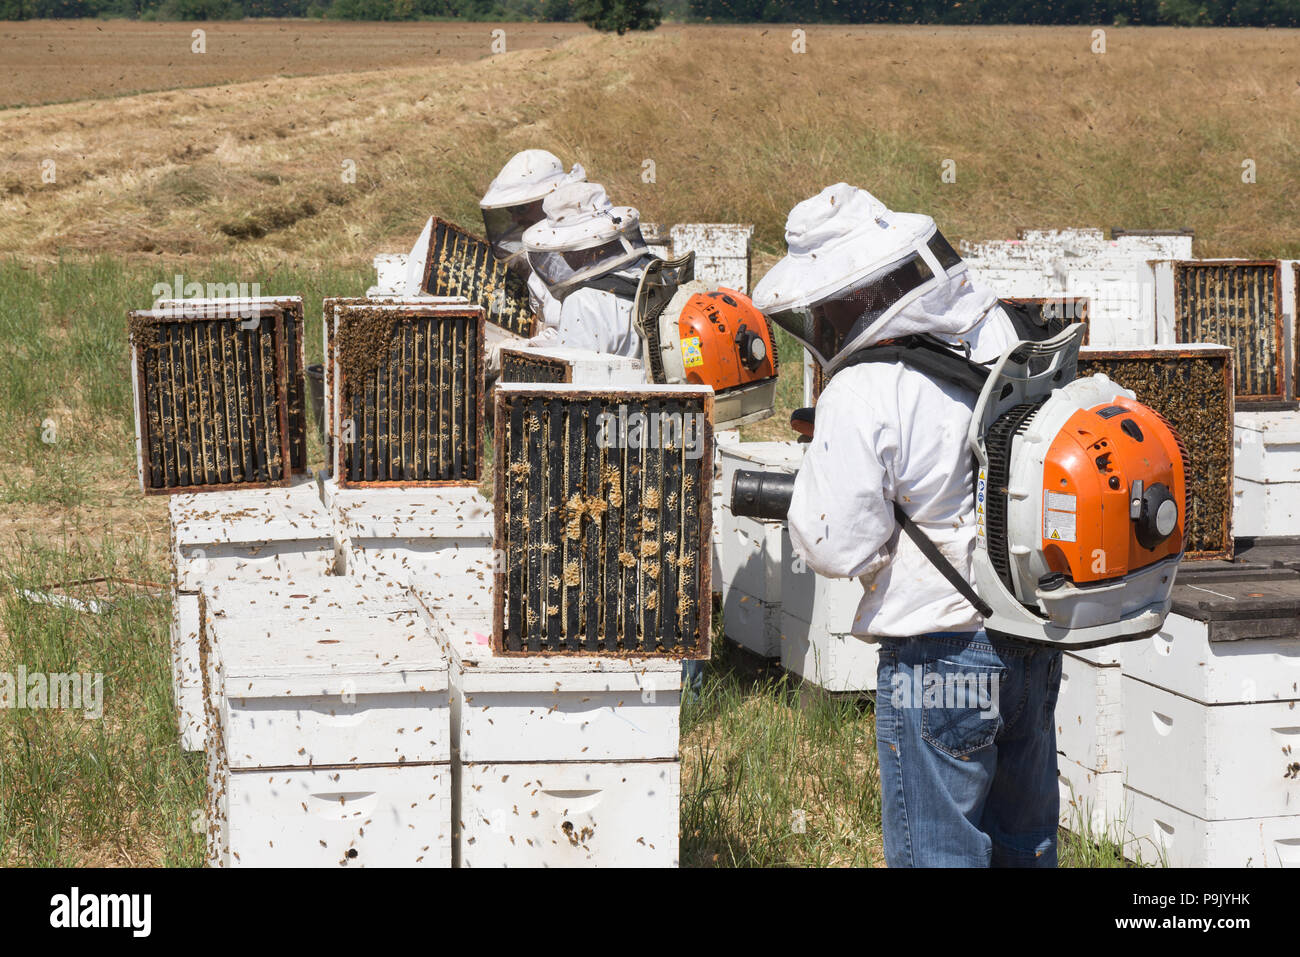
[[1059, 517]]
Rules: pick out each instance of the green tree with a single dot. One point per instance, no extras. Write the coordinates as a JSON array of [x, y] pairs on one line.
[[618, 15]]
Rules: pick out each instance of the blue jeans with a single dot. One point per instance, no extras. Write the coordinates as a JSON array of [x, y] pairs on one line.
[[966, 738]]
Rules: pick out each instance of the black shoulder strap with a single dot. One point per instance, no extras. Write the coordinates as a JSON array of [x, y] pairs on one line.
[[940, 561], [926, 356], [614, 282]]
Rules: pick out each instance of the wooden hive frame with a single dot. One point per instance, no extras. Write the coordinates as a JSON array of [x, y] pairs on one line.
[[1206, 431], [576, 576], [1295, 331], [295, 361], [458, 263], [1259, 352], [524, 365], [407, 448], [173, 349]]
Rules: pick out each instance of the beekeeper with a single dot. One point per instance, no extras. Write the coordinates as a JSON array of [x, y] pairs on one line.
[[590, 255], [512, 203], [964, 782]]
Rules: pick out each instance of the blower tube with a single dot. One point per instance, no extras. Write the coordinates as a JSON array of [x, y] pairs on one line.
[[762, 494]]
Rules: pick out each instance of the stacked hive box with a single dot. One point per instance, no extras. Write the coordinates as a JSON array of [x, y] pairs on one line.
[[776, 606], [721, 251], [1090, 741], [328, 730], [246, 535], [752, 553], [220, 424], [398, 532], [407, 441], [1266, 487], [558, 761], [1211, 743], [1114, 274], [565, 668]]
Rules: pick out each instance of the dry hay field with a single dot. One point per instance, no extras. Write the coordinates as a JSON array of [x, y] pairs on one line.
[[228, 166]]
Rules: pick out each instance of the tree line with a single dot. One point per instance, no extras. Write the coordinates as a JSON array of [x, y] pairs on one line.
[[646, 14]]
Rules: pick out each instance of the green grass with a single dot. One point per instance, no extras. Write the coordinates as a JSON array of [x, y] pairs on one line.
[[776, 774], [111, 790]]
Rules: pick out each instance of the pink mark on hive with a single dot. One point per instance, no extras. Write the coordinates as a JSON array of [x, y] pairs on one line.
[[481, 639]]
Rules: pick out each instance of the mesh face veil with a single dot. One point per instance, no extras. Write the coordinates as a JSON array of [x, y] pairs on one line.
[[505, 227], [563, 270], [833, 325]]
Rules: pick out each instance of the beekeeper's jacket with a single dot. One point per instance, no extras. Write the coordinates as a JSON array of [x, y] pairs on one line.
[[885, 432], [543, 304], [599, 321]]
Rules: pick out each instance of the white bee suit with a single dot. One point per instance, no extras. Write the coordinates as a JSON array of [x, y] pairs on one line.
[[585, 247], [544, 305], [885, 432], [598, 321]]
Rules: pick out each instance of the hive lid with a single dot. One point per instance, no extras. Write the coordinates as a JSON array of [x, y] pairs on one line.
[[308, 597], [333, 656], [412, 512], [245, 516], [1278, 427], [1257, 604], [1280, 552], [782, 456]]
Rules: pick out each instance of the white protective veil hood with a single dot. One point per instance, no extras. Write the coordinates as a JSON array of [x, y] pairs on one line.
[[892, 274], [527, 177], [584, 236], [514, 201]]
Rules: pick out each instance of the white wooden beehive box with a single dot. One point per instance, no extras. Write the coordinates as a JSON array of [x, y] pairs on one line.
[[753, 555], [1182, 659], [1217, 762], [824, 604], [584, 748], [294, 606], [187, 681], [1266, 447], [328, 744], [834, 661], [570, 815], [249, 535], [1166, 835], [306, 598], [550, 707], [1265, 509], [722, 251], [1089, 715], [1091, 801], [374, 816], [401, 532], [753, 624]]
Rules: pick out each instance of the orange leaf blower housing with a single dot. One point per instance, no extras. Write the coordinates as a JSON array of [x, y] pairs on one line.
[[1122, 466], [726, 341]]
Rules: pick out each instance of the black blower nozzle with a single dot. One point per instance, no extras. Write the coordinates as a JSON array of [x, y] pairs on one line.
[[762, 494]]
